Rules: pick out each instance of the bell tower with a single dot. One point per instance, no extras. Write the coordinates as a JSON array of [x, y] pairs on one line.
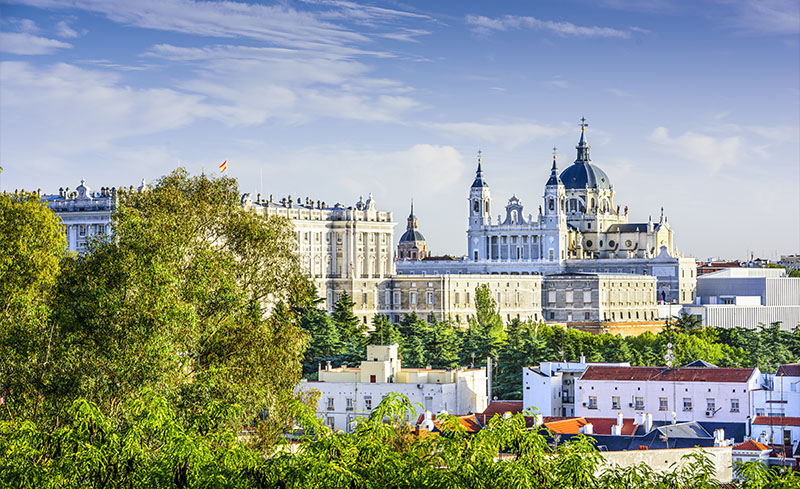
[[553, 221], [479, 207]]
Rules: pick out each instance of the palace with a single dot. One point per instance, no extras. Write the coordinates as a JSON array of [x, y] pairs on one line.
[[578, 228]]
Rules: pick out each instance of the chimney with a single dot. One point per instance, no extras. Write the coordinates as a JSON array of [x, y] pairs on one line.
[[328, 366], [538, 419], [616, 430], [588, 429], [619, 420], [583, 359], [648, 424], [674, 417], [639, 419]]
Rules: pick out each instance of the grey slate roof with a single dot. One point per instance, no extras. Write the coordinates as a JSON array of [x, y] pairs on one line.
[[583, 174]]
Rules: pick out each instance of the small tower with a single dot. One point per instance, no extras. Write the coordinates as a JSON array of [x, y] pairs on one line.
[[554, 220], [479, 207], [412, 244]]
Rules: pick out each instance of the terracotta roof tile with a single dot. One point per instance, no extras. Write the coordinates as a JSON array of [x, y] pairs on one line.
[[663, 374], [789, 370], [602, 426], [778, 420], [501, 407], [569, 426], [750, 445]]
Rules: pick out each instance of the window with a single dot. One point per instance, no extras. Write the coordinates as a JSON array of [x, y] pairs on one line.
[[734, 405], [586, 316], [364, 298], [638, 403], [457, 298], [330, 423], [330, 404], [349, 404], [615, 402], [759, 411], [429, 297], [569, 297], [387, 297], [412, 298], [687, 403], [396, 297], [592, 402], [711, 406], [82, 230], [587, 296], [552, 315], [663, 404], [368, 403], [551, 297], [428, 404], [373, 379]]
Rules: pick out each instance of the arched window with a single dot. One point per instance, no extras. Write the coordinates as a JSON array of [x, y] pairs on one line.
[[552, 205], [476, 206]]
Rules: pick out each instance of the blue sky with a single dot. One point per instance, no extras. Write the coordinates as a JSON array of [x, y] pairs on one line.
[[693, 106]]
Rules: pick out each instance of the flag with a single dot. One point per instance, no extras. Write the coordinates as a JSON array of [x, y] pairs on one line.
[[223, 166]]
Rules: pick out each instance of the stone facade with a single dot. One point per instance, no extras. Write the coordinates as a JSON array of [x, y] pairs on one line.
[[347, 393], [84, 213], [578, 228]]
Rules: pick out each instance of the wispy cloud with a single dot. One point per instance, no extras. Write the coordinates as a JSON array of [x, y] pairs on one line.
[[762, 16], [507, 135], [485, 25], [248, 85], [28, 44], [64, 30], [279, 24]]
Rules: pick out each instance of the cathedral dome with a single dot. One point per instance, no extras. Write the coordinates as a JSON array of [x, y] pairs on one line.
[[583, 174], [412, 235]]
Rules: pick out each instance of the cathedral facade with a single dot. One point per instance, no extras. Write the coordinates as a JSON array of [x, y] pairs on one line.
[[578, 228]]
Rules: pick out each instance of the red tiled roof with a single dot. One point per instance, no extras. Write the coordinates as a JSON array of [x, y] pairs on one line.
[[602, 426], [789, 370], [569, 426], [663, 374], [778, 420], [501, 407], [750, 445], [469, 422]]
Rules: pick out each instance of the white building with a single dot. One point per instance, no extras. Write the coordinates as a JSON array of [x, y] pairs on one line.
[[347, 393], [83, 212], [578, 228], [550, 387], [719, 395], [747, 297]]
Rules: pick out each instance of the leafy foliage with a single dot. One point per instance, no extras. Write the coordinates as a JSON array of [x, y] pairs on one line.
[[148, 446]]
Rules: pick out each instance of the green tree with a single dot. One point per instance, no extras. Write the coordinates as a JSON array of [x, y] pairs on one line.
[[415, 333], [324, 341], [383, 332], [179, 302], [442, 345], [351, 330], [32, 246]]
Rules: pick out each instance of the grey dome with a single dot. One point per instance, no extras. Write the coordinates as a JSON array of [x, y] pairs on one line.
[[411, 235], [583, 174]]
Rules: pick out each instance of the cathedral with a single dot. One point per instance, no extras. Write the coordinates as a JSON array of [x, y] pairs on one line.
[[578, 228]]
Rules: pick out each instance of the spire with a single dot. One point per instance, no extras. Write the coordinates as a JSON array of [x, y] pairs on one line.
[[583, 146], [411, 215], [554, 178], [479, 173]]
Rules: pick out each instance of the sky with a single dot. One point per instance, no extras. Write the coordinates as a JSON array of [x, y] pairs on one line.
[[693, 106]]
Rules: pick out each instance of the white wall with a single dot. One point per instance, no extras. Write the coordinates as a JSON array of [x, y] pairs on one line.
[[675, 392]]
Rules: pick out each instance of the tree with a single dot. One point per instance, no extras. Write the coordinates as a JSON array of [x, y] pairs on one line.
[[194, 298], [383, 332], [325, 343], [415, 333], [351, 330], [442, 345], [32, 245]]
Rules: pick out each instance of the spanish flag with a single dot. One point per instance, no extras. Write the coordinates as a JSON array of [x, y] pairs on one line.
[[223, 166]]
